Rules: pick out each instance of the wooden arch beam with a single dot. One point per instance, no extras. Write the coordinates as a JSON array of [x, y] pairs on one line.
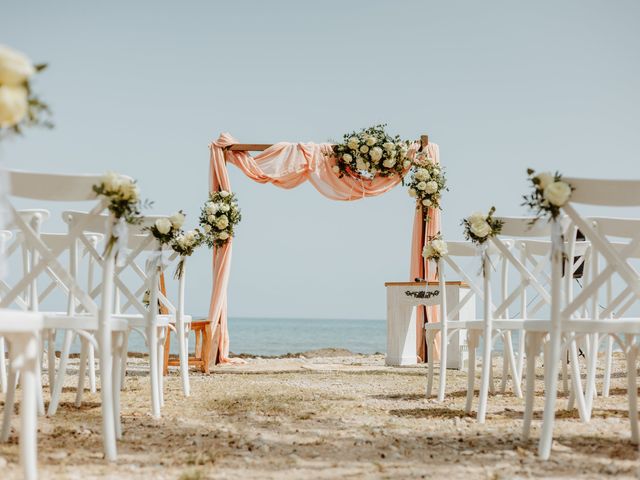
[[261, 147]]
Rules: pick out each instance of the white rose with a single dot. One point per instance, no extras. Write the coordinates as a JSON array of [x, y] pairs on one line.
[[207, 228], [364, 149], [191, 235], [421, 186], [15, 68], [223, 235], [371, 141], [440, 246], [111, 181], [163, 225], [361, 164], [406, 164], [376, 154], [412, 193], [432, 187], [211, 218], [336, 169], [177, 220], [353, 143], [222, 222], [557, 193], [224, 207], [389, 162], [388, 146], [426, 202], [428, 251], [347, 158], [13, 105], [129, 190], [476, 217], [224, 193], [211, 207], [544, 179], [422, 174], [480, 229]]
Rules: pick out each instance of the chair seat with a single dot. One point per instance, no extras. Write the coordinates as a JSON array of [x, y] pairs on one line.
[[532, 325], [80, 322], [137, 320], [17, 321], [451, 325], [621, 325]]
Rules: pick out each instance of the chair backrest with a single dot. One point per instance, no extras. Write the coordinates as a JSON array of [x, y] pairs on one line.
[[604, 193]]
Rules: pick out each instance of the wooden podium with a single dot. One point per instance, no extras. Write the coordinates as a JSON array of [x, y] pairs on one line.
[[402, 299]]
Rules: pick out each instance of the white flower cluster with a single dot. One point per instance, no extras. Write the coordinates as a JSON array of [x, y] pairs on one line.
[[435, 248], [427, 181], [371, 152], [166, 229], [218, 218], [550, 193], [17, 104], [116, 185], [479, 227]]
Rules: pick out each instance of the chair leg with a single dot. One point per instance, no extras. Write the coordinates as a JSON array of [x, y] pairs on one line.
[[125, 352], [184, 360], [39, 392], [513, 367], [167, 350], [565, 371], [472, 344], [505, 365], [3, 367], [117, 346], [430, 366], [521, 353], [576, 387], [551, 391], [62, 369], [9, 403], [533, 344], [51, 357], [443, 363], [591, 373], [92, 368], [28, 409], [632, 392], [82, 370], [152, 338], [161, 366], [608, 359]]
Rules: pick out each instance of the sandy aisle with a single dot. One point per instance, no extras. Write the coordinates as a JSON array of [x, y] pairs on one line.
[[342, 417]]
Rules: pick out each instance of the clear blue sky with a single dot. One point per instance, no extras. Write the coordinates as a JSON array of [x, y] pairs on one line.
[[142, 87]]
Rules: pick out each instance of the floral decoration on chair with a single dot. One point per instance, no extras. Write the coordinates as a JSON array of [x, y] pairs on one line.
[[550, 192]]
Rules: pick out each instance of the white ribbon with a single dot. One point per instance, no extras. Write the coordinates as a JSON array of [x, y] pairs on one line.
[[158, 260], [557, 239], [483, 249], [121, 233]]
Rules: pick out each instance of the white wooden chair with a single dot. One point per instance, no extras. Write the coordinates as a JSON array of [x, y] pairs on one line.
[[568, 314], [83, 311]]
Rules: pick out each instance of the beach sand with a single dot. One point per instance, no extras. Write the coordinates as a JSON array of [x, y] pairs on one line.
[[324, 416]]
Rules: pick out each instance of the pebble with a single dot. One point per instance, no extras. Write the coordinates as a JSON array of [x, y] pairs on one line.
[[3, 462]]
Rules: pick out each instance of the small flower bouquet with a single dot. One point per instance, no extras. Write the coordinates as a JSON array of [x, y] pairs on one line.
[[480, 227], [371, 152], [124, 203], [218, 218], [435, 248], [184, 244], [18, 105], [550, 193], [166, 229], [427, 182]]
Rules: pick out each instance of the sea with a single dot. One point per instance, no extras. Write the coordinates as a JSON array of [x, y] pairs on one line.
[[279, 336]]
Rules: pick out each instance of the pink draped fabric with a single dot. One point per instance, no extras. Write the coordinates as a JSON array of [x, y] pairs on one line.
[[420, 268], [285, 165]]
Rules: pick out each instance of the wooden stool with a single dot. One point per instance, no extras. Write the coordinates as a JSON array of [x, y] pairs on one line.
[[202, 355]]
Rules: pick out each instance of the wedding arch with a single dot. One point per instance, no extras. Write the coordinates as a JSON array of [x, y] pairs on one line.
[[287, 165]]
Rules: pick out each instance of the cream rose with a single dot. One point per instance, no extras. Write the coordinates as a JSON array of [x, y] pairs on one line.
[[364, 149], [336, 169], [177, 219], [412, 192], [129, 190], [428, 251], [432, 187], [389, 162], [544, 179], [207, 228], [111, 181], [224, 193], [422, 174], [163, 225], [353, 143], [211, 218], [225, 208], [388, 146], [421, 186], [440, 246], [361, 164], [15, 67], [426, 202], [347, 158], [371, 141], [13, 105], [211, 207], [222, 222], [376, 154], [557, 193], [480, 228], [476, 217], [223, 235]]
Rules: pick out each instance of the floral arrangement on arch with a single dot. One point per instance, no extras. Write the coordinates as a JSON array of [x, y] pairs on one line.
[[480, 227], [19, 106], [123, 201], [218, 218], [371, 152], [435, 248], [550, 192], [427, 181]]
